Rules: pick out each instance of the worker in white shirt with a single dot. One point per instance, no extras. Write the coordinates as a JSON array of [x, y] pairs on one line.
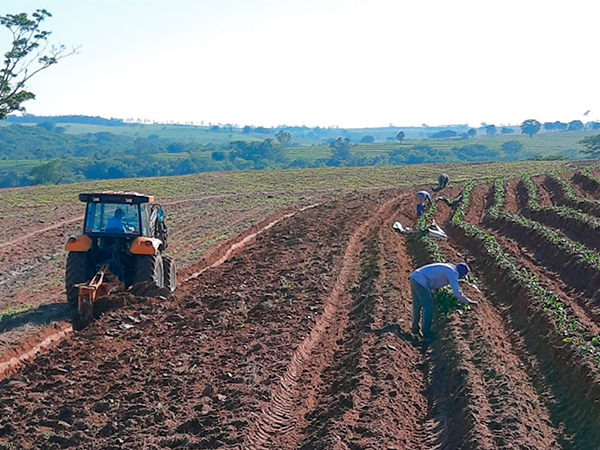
[[422, 197], [429, 278]]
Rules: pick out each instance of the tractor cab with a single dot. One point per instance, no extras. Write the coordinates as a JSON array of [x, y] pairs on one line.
[[124, 234], [123, 215]]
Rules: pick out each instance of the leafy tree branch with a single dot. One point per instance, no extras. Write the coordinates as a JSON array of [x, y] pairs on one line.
[[30, 53]]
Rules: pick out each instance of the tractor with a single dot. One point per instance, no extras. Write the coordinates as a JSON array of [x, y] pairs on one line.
[[121, 248]]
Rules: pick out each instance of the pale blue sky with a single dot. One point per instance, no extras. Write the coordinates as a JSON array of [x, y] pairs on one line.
[[350, 63]]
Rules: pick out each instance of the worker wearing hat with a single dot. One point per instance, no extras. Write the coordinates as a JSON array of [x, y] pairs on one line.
[[429, 278]]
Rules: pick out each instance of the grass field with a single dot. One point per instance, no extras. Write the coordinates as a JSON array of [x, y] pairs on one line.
[[294, 181], [175, 132], [543, 144]]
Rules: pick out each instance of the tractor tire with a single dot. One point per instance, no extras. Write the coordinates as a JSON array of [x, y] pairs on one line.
[[77, 272], [148, 279], [170, 277]]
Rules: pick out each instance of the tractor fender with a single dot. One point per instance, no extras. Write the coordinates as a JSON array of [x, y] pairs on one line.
[[145, 246], [81, 243]]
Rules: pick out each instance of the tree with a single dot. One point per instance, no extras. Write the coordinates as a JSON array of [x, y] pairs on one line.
[[444, 134], [511, 148], [400, 136], [340, 149], [549, 126], [592, 146], [560, 126], [28, 56], [491, 130], [575, 125], [530, 127], [284, 138], [593, 125], [471, 133], [218, 156], [507, 130], [368, 139]]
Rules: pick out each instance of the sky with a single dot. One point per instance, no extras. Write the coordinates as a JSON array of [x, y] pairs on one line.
[[346, 63]]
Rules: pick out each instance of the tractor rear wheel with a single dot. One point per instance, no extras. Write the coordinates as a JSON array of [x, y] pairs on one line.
[[149, 274], [170, 273], [77, 272]]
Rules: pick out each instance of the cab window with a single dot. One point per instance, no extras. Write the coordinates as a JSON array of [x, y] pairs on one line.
[[112, 218]]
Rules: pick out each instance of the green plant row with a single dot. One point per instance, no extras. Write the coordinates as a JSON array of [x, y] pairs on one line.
[[563, 212], [569, 327], [586, 172], [499, 196], [430, 246], [575, 250], [445, 301]]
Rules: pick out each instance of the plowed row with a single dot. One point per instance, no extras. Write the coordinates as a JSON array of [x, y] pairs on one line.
[[302, 341]]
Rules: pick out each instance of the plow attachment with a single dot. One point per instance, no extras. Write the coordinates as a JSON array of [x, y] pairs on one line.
[[103, 283]]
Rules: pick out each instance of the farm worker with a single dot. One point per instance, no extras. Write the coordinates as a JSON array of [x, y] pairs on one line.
[[429, 278], [443, 181], [422, 197], [115, 223]]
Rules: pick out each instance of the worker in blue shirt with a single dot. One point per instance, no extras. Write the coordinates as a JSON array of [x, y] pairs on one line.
[[429, 278], [422, 197], [115, 223]]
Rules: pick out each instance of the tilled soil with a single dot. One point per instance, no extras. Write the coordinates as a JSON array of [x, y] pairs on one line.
[[32, 263], [301, 340]]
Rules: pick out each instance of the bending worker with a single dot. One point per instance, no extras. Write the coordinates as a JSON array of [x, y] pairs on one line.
[[422, 197], [443, 181], [429, 278]]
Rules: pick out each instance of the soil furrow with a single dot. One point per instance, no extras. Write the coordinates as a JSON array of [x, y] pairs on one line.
[[585, 231], [280, 416], [484, 340], [541, 339], [560, 196]]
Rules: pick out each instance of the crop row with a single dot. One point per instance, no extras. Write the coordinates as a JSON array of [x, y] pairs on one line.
[[575, 224], [497, 263], [569, 358], [429, 251], [587, 179], [583, 270], [551, 244], [449, 373], [566, 195]]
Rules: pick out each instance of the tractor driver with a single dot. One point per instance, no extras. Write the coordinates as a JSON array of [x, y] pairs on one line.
[[115, 223]]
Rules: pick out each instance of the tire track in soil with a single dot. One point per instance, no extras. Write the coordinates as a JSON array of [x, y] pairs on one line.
[[361, 402], [279, 420], [516, 414], [33, 234]]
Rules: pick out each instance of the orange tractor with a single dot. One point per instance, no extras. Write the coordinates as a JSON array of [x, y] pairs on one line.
[[121, 248]]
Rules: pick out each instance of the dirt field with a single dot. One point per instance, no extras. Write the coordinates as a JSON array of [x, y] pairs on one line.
[[301, 338]]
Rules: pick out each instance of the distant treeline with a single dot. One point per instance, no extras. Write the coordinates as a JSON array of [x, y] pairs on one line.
[[88, 120], [47, 141], [53, 157]]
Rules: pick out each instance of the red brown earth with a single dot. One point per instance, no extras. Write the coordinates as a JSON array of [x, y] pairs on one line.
[[301, 340]]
